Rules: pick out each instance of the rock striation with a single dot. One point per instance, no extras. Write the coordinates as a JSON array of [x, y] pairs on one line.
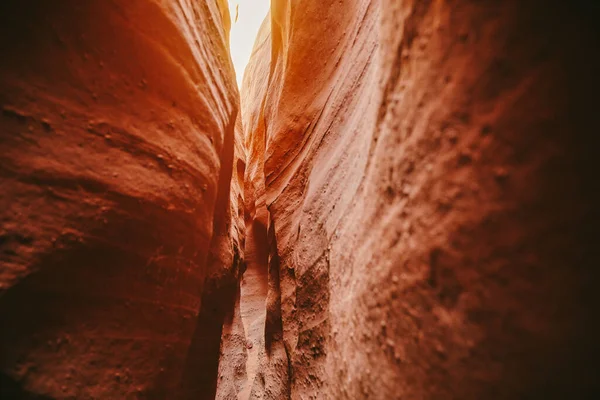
[[426, 176], [119, 244]]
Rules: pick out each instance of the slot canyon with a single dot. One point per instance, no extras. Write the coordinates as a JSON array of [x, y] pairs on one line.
[[398, 202]]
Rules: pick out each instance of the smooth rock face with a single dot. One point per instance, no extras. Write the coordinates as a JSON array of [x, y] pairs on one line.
[[427, 174], [116, 157]]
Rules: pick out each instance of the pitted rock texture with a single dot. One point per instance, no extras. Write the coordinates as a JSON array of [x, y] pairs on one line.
[[116, 157], [429, 196]]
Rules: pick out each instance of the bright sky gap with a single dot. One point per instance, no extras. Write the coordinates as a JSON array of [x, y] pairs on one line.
[[251, 14]]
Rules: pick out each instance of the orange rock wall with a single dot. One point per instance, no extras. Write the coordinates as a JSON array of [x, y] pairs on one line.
[[119, 245], [427, 174], [268, 360]]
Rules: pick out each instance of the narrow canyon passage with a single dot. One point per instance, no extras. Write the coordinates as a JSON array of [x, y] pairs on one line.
[[398, 200], [254, 287]]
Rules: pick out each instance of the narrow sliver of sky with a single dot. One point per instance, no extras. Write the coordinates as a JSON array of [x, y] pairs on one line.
[[250, 15]]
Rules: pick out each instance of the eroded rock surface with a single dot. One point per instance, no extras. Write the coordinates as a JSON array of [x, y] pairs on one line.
[[116, 157], [401, 208], [427, 178]]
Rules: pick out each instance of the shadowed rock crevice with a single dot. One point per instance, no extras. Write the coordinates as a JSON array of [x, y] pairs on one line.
[[200, 376], [10, 389]]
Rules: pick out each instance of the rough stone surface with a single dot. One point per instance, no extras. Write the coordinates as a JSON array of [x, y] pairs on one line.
[[232, 374], [116, 154], [267, 363], [403, 206], [427, 174]]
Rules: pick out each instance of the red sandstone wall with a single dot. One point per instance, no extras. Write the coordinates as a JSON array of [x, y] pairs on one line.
[[231, 377], [266, 366], [116, 154], [417, 192], [428, 179]]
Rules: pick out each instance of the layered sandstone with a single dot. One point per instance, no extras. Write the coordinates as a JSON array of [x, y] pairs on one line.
[[401, 208], [119, 245], [425, 169]]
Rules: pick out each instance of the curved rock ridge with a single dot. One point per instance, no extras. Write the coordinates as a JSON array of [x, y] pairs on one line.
[[424, 171], [121, 228]]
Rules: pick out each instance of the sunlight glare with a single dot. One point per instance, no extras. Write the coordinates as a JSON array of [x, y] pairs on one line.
[[250, 15]]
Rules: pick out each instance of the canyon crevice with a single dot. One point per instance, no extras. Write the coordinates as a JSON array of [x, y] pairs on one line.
[[399, 202]]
